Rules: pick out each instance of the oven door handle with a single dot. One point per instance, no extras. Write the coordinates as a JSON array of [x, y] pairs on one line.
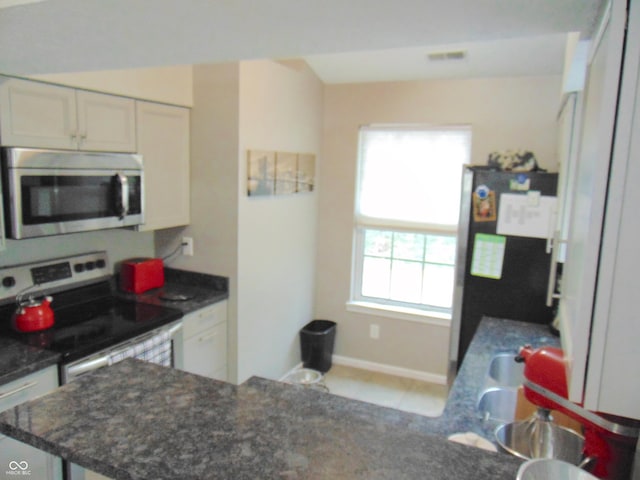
[[84, 367]]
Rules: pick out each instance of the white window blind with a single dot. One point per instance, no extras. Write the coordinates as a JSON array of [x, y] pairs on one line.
[[412, 175], [407, 207]]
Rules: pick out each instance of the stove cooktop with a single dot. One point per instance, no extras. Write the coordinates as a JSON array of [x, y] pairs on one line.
[[86, 327], [88, 316]]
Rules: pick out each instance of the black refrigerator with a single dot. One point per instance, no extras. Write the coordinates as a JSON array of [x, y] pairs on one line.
[[498, 274]]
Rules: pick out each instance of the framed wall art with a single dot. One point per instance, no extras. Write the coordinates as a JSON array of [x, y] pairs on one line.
[[279, 173]]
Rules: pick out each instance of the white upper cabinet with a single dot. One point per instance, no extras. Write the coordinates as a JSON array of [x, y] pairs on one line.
[[40, 115], [37, 115], [163, 142], [106, 123], [599, 323]]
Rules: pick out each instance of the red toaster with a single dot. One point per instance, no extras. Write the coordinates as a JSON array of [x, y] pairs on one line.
[[138, 275]]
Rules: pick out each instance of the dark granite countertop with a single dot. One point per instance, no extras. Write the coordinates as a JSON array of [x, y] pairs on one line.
[[18, 360], [200, 289], [136, 420], [493, 335]]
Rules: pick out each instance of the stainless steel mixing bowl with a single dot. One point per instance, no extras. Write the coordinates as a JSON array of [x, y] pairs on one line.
[[539, 437]]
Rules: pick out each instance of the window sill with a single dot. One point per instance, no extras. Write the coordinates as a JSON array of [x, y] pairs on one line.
[[400, 313]]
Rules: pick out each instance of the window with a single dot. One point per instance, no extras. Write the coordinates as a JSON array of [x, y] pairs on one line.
[[407, 205]]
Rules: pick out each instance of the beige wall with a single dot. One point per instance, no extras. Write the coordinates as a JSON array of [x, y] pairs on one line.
[[214, 187], [162, 84], [118, 243], [280, 109], [504, 113], [266, 246]]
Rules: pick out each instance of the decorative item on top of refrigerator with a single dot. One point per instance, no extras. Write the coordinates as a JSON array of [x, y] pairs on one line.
[[502, 265]]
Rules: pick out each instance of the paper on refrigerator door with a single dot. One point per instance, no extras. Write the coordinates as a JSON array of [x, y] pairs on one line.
[[527, 215], [488, 255]]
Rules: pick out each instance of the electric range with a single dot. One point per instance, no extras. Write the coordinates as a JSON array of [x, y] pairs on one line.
[[88, 316]]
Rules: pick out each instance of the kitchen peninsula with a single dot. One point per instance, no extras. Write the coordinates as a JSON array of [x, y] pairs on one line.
[[136, 420]]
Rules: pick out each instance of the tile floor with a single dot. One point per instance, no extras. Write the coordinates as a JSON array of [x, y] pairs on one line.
[[387, 390]]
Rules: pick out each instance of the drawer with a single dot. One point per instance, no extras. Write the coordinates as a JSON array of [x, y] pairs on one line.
[[203, 319], [206, 353], [28, 387]]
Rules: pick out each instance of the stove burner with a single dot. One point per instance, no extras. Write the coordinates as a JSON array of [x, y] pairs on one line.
[[175, 296]]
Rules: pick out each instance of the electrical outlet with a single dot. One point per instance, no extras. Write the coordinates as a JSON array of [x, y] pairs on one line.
[[374, 331], [187, 246]]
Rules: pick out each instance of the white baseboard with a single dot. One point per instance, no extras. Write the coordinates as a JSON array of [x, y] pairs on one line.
[[390, 369]]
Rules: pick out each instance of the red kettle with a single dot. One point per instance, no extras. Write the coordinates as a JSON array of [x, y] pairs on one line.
[[33, 315]]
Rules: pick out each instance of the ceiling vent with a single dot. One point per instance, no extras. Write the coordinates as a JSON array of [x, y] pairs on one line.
[[447, 56]]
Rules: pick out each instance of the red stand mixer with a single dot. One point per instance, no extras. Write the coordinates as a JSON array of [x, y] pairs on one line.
[[610, 441]]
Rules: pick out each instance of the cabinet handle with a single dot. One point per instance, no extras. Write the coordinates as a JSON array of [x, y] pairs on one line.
[[207, 337], [18, 389], [553, 270]]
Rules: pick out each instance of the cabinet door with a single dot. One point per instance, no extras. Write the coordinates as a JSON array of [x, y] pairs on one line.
[[39, 115], [611, 385], [589, 196], [205, 341], [569, 127], [17, 457], [163, 142], [206, 353], [106, 123], [204, 319]]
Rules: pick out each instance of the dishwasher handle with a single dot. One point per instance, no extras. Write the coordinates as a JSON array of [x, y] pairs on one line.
[[84, 367], [107, 359]]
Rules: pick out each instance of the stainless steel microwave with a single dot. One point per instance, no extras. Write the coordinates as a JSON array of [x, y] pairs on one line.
[[51, 192]]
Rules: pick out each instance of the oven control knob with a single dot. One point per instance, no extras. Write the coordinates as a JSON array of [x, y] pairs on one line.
[[8, 282], [90, 265], [101, 263], [78, 267]]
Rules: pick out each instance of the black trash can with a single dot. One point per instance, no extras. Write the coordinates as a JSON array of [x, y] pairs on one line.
[[316, 344]]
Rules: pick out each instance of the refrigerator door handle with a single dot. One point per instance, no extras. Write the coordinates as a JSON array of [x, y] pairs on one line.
[[553, 233]]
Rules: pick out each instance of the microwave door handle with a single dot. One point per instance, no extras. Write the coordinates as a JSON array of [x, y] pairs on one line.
[[122, 195], [125, 196]]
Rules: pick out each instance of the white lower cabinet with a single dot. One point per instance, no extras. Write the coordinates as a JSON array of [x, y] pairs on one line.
[[17, 458], [205, 341], [91, 475]]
